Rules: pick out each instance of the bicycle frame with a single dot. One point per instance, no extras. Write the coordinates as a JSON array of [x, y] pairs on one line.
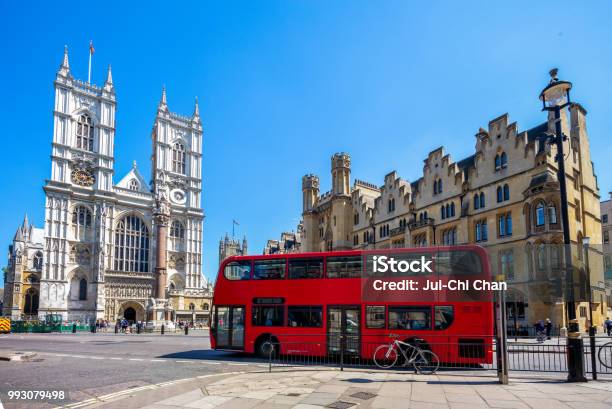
[[415, 351]]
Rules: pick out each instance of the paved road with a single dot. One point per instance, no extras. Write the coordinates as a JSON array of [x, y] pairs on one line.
[[90, 365]]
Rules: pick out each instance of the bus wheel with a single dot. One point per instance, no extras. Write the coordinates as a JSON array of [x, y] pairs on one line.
[[265, 346]]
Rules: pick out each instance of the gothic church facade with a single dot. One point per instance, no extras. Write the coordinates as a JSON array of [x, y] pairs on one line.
[[113, 250]]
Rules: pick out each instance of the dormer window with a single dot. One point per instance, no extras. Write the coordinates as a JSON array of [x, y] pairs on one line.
[[133, 185], [84, 133]]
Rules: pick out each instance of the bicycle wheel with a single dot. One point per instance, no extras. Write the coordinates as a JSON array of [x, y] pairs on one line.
[[605, 355], [385, 356], [426, 362]]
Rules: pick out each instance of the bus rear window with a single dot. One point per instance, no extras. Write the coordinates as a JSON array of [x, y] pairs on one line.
[[306, 268], [237, 270], [344, 267], [269, 269], [410, 317]]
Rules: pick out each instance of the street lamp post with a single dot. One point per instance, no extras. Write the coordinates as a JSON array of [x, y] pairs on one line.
[[592, 328], [555, 97]]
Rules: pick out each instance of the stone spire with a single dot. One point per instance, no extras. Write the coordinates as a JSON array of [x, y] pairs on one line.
[[109, 76], [163, 103], [196, 111], [108, 84], [64, 69]]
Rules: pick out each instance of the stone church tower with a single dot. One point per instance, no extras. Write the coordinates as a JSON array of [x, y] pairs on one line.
[[126, 250]]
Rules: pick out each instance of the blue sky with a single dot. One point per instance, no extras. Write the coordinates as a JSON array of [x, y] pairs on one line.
[[284, 84]]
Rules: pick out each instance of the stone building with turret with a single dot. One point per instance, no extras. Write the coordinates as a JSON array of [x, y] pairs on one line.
[[232, 247], [113, 250], [505, 197]]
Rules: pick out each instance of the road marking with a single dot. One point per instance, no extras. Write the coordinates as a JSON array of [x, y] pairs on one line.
[[95, 357], [158, 360], [189, 362], [136, 359], [211, 363], [116, 359], [236, 364]]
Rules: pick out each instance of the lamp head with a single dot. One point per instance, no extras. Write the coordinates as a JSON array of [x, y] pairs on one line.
[[556, 93]]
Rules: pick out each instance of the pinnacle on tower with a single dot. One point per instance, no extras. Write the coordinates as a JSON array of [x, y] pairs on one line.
[[65, 63], [196, 111], [26, 222], [64, 69], [109, 76], [163, 103]]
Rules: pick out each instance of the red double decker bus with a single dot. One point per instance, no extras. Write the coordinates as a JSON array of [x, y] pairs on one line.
[[310, 299]]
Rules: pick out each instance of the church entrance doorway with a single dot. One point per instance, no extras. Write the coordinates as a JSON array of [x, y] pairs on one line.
[[130, 314]]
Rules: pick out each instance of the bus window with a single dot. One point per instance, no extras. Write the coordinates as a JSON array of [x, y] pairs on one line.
[[305, 316], [268, 315], [457, 262], [444, 315], [238, 270], [344, 267], [375, 316], [306, 268], [269, 269], [410, 317]]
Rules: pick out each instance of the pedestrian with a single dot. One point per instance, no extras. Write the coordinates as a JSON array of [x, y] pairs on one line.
[[539, 329], [608, 325], [548, 327]]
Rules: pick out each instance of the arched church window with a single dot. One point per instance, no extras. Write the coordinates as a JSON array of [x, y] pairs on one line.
[[31, 302], [178, 158], [81, 216], [133, 185], [82, 289], [192, 306], [81, 221], [84, 133], [37, 262], [131, 245], [177, 231]]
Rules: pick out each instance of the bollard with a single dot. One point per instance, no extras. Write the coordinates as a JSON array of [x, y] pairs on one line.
[[186, 330], [138, 326], [74, 328], [162, 329], [342, 348], [116, 329], [593, 345]]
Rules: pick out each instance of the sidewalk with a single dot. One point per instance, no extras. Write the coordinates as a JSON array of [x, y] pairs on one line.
[[312, 389]]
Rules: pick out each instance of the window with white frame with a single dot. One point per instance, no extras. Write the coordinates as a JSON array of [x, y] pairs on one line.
[[131, 245], [85, 133], [178, 158]]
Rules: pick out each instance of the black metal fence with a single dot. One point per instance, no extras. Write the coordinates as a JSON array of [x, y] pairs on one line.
[[468, 355]]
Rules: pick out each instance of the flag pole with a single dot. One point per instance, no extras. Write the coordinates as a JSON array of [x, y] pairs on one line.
[[90, 54]]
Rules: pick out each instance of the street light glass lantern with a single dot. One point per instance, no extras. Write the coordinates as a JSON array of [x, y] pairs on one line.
[[586, 240], [556, 94]]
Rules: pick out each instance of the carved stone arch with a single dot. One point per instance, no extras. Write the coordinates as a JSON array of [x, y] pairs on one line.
[[123, 213], [138, 308], [176, 282], [85, 111]]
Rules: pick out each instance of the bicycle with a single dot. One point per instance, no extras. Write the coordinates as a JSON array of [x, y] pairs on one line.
[[606, 358], [424, 361]]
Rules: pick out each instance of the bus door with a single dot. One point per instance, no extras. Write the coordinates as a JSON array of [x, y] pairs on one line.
[[230, 327], [343, 320]]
